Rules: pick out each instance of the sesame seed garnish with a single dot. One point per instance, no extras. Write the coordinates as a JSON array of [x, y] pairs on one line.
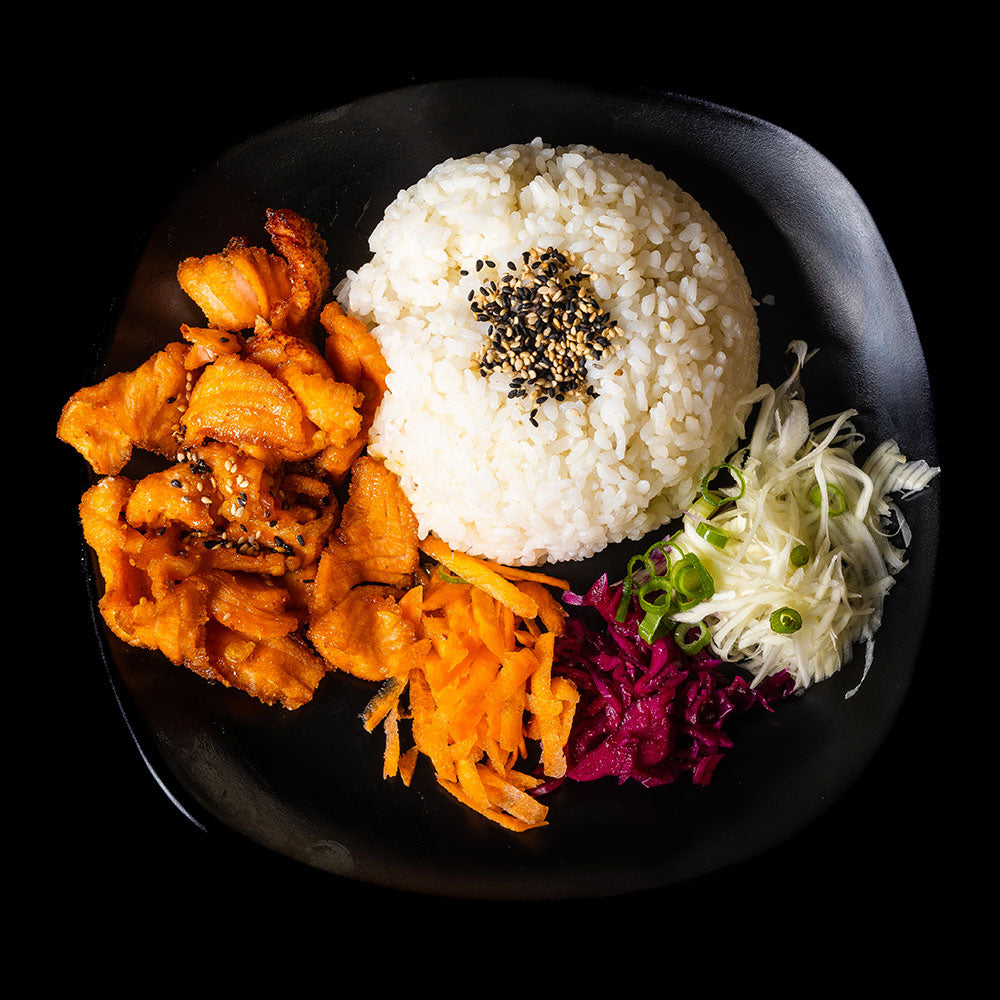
[[544, 323]]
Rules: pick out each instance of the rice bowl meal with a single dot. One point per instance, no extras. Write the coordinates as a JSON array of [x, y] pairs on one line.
[[490, 462], [550, 350]]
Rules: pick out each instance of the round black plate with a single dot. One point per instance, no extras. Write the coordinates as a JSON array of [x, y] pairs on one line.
[[307, 785]]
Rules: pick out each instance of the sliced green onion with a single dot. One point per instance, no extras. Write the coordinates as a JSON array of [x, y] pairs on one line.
[[703, 508], [716, 499], [836, 499], [628, 585], [657, 609], [695, 645], [800, 555], [652, 626], [663, 587], [785, 621], [663, 546], [449, 577], [692, 580], [712, 534]]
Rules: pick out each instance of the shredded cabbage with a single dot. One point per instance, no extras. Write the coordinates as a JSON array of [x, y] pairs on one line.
[[853, 556]]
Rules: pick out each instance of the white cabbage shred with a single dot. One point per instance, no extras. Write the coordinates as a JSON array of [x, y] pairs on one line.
[[854, 556]]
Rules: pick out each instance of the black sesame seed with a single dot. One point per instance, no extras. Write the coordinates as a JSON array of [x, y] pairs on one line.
[[543, 325]]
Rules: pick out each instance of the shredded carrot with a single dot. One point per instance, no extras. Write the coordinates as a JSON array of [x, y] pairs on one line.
[[482, 690], [383, 702], [516, 573], [551, 612], [407, 765], [390, 766], [476, 572]]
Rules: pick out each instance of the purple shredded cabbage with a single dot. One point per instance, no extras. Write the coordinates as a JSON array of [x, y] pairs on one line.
[[648, 712]]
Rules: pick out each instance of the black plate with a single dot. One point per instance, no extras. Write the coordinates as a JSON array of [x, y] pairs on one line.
[[307, 785]]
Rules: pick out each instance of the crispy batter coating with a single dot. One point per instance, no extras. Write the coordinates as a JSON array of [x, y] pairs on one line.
[[161, 593], [299, 242], [137, 409], [241, 283], [234, 287], [240, 403], [221, 559], [368, 635], [376, 541]]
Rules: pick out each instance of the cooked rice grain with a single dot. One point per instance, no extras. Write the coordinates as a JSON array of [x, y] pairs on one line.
[[476, 470]]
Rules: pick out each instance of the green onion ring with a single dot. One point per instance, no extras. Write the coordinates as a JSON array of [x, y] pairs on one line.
[[837, 502], [785, 621], [656, 583], [799, 555], [628, 585], [656, 610], [696, 645], [714, 499], [661, 546], [692, 580], [712, 534]]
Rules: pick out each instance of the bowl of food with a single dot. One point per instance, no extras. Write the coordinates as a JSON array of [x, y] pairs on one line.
[[523, 478]]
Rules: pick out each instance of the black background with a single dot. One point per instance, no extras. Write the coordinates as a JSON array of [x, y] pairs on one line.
[[888, 851]]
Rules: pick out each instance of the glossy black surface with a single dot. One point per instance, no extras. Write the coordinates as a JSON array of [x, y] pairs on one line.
[[308, 785]]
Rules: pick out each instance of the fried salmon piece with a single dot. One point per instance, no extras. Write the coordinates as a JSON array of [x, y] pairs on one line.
[[175, 625], [110, 536], [252, 605], [375, 542], [332, 405], [244, 518], [137, 409], [208, 344], [368, 635], [240, 403], [278, 670], [234, 287], [150, 611], [299, 242], [211, 486], [355, 357], [351, 349]]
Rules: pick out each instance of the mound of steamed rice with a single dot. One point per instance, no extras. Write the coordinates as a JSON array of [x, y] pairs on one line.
[[476, 471]]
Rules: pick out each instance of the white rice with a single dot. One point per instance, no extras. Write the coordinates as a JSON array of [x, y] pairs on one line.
[[475, 470]]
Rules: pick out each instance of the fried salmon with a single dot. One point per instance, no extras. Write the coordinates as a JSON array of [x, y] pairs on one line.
[[241, 283], [376, 541], [221, 559], [137, 409]]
